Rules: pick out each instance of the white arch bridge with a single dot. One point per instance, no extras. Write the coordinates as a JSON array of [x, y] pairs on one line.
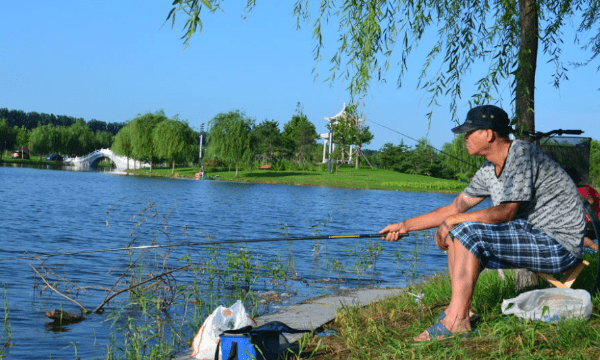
[[91, 160]]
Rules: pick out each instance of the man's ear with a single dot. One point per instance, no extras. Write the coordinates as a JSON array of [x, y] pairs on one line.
[[490, 135]]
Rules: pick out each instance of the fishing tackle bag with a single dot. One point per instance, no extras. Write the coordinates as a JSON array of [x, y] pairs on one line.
[[260, 343]]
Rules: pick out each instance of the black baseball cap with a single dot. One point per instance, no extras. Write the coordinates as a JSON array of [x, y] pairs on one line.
[[484, 117]]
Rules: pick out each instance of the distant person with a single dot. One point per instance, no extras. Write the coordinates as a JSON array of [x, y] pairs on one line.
[[202, 171], [536, 220], [592, 196]]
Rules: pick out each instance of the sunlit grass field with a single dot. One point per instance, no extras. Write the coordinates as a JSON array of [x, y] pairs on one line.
[[343, 177]]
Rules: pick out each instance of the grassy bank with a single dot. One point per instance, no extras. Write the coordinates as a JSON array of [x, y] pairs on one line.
[[342, 177], [385, 330]]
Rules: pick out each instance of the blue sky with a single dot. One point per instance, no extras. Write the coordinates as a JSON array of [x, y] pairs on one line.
[[112, 60]]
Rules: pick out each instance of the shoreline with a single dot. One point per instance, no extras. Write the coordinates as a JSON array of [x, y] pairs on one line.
[[348, 179], [345, 178], [314, 313]]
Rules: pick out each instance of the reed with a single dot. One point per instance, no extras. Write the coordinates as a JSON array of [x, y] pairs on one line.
[[6, 330], [238, 271]]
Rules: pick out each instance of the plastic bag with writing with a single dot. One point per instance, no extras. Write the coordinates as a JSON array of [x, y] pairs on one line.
[[550, 305], [221, 319]]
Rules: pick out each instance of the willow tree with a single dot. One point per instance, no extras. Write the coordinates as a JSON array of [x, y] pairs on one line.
[[141, 135], [43, 140], [122, 143], [174, 141], [230, 138], [505, 34]]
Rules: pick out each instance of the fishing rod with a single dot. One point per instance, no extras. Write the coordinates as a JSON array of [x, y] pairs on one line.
[[202, 243]]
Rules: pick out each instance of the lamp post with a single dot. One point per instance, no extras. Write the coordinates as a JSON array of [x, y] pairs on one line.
[[201, 138]]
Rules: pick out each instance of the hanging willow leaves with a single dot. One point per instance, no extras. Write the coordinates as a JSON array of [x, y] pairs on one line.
[[374, 33]]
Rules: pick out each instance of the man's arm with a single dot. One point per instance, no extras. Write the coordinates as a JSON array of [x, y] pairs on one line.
[[432, 219], [493, 215]]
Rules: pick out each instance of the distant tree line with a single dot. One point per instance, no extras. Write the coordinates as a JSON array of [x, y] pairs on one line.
[[234, 139], [48, 133], [76, 139], [453, 162], [31, 120]]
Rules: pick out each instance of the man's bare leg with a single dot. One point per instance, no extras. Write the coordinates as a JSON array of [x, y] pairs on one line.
[[464, 268]]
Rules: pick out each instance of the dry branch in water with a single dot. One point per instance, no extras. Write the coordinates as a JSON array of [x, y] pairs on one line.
[[58, 292]]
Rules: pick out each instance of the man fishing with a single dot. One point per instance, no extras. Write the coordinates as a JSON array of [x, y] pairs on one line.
[[536, 220]]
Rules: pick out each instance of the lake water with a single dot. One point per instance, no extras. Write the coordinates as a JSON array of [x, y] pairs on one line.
[[54, 211]]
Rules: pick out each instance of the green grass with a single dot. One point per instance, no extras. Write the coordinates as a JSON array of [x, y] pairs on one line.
[[384, 330], [343, 177]]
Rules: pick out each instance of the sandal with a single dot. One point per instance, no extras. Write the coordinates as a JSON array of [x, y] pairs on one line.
[[473, 318], [441, 316], [439, 329]]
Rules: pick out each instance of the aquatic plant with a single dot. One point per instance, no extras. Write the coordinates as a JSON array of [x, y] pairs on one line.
[[6, 330], [158, 300]]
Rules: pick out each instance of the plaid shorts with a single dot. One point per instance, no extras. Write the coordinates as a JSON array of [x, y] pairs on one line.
[[513, 245]]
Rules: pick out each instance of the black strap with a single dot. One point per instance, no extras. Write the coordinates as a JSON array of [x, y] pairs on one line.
[[233, 352], [217, 351], [276, 327]]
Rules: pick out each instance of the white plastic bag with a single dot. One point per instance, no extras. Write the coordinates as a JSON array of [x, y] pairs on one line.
[[205, 341], [550, 305]]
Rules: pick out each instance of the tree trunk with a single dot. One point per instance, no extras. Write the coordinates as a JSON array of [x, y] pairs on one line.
[[524, 97], [357, 155], [173, 169], [525, 279], [525, 74]]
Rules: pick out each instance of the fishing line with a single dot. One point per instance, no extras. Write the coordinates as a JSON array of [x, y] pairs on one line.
[[439, 151], [201, 243], [415, 140]]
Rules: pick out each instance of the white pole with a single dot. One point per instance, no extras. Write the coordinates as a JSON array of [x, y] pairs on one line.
[[201, 137]]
